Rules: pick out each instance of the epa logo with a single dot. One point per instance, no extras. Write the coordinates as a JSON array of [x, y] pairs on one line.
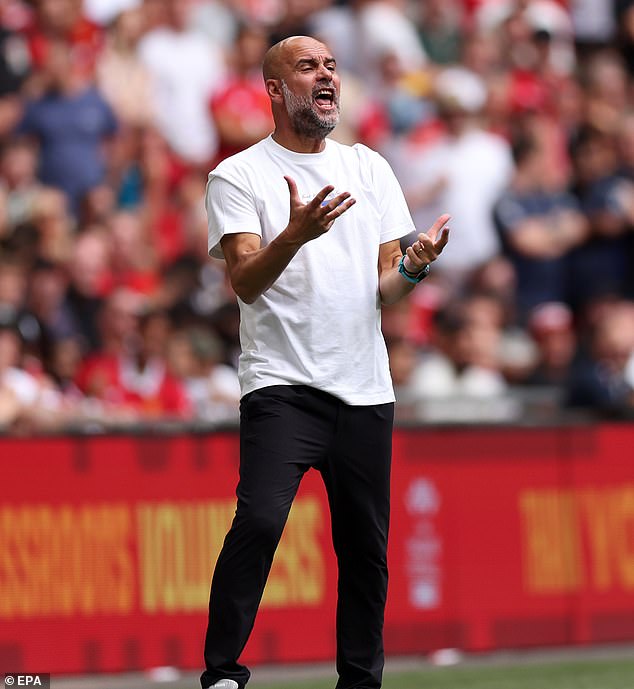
[[15, 680]]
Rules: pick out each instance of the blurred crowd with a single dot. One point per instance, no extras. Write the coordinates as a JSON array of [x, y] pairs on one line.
[[515, 116]]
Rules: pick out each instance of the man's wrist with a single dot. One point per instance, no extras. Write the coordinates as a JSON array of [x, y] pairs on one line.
[[408, 265], [286, 239], [412, 277]]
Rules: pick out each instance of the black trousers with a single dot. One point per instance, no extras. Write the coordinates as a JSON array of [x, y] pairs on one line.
[[284, 431]]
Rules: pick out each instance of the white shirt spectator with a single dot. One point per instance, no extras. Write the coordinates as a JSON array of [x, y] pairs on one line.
[[216, 397], [104, 11], [186, 69], [436, 376], [384, 29], [593, 20], [22, 384]]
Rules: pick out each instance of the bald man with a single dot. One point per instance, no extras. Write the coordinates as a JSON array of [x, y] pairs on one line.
[[310, 233]]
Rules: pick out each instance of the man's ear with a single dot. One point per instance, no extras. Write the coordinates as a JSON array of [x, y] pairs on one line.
[[274, 89]]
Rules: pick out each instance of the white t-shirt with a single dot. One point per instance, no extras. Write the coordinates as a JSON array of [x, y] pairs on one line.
[[319, 324]]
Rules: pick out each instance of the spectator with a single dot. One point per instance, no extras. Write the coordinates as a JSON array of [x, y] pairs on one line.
[[602, 264], [62, 364], [46, 301], [71, 122], [37, 220], [218, 20], [15, 67], [606, 91], [89, 276], [594, 24], [14, 277], [146, 383], [18, 173], [160, 173], [121, 77], [539, 226], [18, 389], [54, 226], [133, 262], [186, 71], [466, 170], [212, 386], [552, 328], [240, 107], [118, 324], [25, 402], [603, 377], [63, 21], [402, 101], [440, 30], [464, 360], [130, 372], [383, 28], [405, 360], [97, 206]]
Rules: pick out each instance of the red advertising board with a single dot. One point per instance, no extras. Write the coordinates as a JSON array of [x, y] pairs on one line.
[[499, 538]]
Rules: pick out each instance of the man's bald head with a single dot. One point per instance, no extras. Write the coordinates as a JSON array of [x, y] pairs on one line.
[[277, 56], [302, 82]]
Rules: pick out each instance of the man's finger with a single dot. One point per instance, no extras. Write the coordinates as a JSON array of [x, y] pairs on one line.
[[441, 221], [426, 244], [329, 206], [340, 209], [319, 199], [292, 188], [413, 256], [442, 242]]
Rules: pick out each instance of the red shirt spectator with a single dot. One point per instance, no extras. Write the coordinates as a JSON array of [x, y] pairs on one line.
[[135, 376], [241, 108], [63, 21], [152, 392]]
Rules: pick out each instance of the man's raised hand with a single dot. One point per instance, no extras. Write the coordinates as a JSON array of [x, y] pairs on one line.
[[428, 246], [310, 220]]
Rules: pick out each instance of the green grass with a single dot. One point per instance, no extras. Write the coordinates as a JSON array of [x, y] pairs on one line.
[[582, 674]]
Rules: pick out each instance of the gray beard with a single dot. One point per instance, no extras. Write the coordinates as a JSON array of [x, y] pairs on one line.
[[305, 120]]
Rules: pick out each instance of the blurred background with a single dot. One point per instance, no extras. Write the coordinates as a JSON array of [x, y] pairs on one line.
[[513, 364]]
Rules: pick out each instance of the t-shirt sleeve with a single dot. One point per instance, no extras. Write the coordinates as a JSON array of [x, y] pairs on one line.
[[396, 220], [230, 210], [509, 213]]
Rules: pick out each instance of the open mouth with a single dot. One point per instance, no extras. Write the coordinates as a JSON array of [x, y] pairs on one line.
[[325, 98]]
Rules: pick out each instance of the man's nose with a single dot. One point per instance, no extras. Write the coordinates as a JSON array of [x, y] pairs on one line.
[[324, 73]]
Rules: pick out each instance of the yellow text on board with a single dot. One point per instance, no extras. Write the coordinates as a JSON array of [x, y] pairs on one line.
[[113, 558], [66, 560], [179, 543], [581, 538]]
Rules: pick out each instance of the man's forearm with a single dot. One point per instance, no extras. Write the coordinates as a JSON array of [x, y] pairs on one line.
[[393, 286], [394, 283], [254, 271]]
